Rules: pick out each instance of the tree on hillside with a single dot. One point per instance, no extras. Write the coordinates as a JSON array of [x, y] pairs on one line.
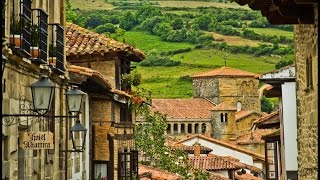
[[147, 12], [177, 24], [203, 22], [128, 21]]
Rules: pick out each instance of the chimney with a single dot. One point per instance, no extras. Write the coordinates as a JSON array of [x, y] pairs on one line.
[[196, 149]]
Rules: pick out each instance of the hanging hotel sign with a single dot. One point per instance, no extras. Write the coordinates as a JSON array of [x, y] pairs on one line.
[[37, 140]]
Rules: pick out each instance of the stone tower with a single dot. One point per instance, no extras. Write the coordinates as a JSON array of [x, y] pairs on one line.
[[232, 86]]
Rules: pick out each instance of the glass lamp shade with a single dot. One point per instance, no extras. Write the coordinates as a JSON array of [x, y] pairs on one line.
[[42, 92], [74, 100], [75, 132]]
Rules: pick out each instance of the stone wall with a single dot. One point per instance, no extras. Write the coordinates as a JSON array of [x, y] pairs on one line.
[[223, 130], [244, 125], [206, 88], [243, 90], [306, 46]]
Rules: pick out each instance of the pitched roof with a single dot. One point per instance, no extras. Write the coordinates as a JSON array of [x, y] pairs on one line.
[[227, 145], [255, 137], [183, 108], [81, 41], [148, 172], [247, 177], [189, 149], [243, 113], [214, 162], [226, 71], [224, 107], [73, 69], [89, 72], [271, 119], [211, 163]]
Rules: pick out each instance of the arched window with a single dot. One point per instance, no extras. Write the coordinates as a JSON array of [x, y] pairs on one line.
[[238, 106], [169, 129], [244, 87], [221, 117], [203, 128], [196, 128], [225, 117], [189, 128], [175, 128], [251, 87], [182, 128]]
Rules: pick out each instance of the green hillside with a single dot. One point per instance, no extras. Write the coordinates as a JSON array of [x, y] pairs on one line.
[[202, 35]]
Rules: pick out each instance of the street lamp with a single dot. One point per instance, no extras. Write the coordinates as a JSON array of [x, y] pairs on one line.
[[74, 100], [42, 92], [78, 128]]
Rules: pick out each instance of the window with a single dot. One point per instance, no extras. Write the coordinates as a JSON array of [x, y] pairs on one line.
[[238, 106], [175, 128], [189, 128], [169, 129], [125, 115], [221, 117], [203, 128], [182, 128], [225, 117], [100, 170], [128, 165], [309, 78], [196, 128]]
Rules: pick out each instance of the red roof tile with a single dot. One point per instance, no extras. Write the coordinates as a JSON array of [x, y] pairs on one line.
[[272, 118], [211, 163], [214, 162], [244, 113], [156, 174], [93, 73], [81, 41], [226, 71], [183, 108], [227, 145], [255, 137], [224, 107], [247, 177]]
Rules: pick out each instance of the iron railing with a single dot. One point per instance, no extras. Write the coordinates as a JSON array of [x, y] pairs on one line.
[[56, 48], [39, 36], [25, 20]]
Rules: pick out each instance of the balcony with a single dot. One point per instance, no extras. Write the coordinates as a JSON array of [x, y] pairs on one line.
[[56, 48], [39, 37], [20, 28]]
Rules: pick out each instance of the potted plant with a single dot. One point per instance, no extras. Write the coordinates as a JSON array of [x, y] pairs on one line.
[[15, 35], [34, 49], [52, 55]]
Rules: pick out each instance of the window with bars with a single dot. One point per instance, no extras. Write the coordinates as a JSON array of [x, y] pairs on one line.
[[20, 27], [56, 48], [39, 36], [128, 165]]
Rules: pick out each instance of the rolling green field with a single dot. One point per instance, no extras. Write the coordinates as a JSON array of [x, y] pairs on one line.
[[272, 31], [166, 82], [147, 42]]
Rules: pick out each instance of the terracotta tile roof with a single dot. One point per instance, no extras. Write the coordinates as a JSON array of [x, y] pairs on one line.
[[211, 163], [224, 107], [89, 72], [269, 119], [244, 113], [214, 162], [81, 41], [247, 177], [226, 71], [217, 176], [183, 108], [147, 172], [256, 136], [189, 149], [227, 145], [93, 73]]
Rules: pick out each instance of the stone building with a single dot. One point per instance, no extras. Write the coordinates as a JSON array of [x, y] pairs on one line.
[[303, 14], [29, 29], [98, 63], [229, 85]]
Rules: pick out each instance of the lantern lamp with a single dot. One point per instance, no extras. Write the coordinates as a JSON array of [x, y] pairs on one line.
[[78, 128], [74, 100]]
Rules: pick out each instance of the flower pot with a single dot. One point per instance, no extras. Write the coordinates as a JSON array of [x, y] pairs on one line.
[[16, 40], [52, 61], [34, 52]]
